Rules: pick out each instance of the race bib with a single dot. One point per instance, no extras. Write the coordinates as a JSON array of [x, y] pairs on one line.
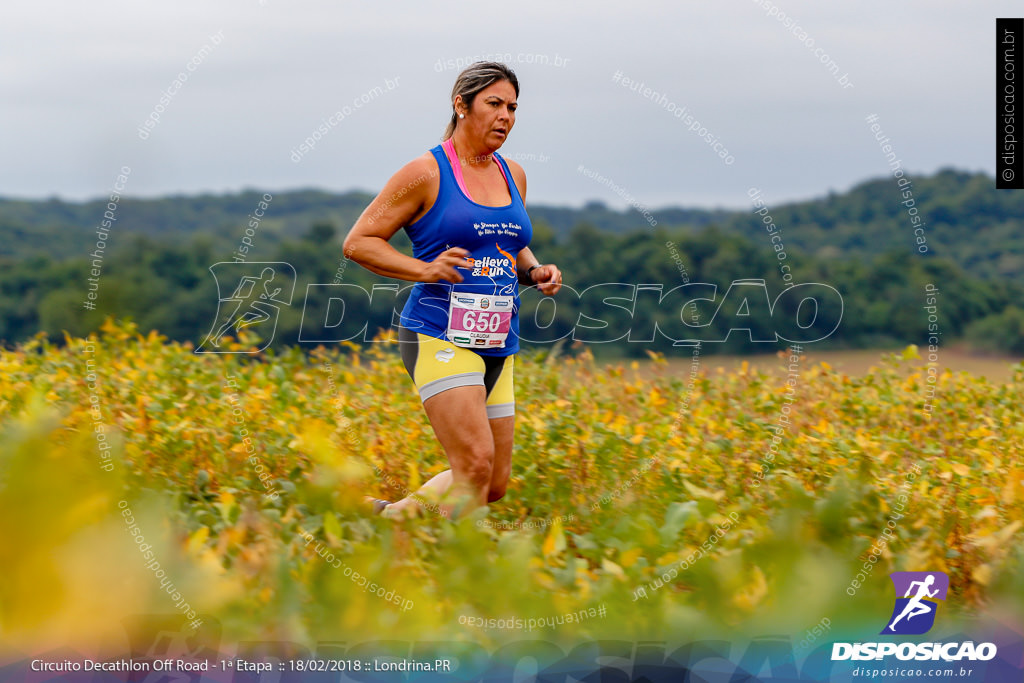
[[479, 320]]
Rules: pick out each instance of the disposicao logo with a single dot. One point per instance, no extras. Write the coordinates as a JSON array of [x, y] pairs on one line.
[[914, 612], [917, 596]]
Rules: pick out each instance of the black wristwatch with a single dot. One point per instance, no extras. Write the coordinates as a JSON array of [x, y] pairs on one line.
[[530, 270]]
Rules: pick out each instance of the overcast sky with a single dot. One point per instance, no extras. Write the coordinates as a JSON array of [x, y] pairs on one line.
[[79, 80]]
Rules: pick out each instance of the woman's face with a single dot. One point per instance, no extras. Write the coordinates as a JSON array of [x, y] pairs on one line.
[[492, 116]]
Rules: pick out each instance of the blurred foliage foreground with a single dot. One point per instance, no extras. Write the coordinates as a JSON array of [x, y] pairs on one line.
[[137, 477]]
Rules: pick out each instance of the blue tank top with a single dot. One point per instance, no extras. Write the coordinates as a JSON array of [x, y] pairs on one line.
[[493, 235]]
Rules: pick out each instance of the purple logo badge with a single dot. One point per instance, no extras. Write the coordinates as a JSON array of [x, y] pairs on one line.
[[917, 594]]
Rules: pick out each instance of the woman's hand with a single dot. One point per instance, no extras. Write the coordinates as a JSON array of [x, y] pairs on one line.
[[547, 278], [444, 266]]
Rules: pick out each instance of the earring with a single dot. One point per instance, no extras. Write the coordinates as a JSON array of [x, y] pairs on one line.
[[462, 116]]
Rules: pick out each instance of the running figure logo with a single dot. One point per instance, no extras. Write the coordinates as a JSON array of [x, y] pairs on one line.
[[914, 612], [254, 304]]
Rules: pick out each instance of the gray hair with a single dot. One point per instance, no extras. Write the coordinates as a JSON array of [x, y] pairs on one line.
[[474, 78]]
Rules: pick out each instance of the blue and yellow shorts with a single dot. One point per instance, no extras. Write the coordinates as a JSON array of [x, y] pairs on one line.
[[436, 365]]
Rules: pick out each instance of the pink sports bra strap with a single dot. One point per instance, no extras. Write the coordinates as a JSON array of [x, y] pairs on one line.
[[449, 148]]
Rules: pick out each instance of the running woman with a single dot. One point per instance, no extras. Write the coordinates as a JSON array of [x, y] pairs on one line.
[[462, 206]]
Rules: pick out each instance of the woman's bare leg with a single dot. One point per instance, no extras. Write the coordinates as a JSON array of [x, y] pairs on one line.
[[501, 434], [458, 417]]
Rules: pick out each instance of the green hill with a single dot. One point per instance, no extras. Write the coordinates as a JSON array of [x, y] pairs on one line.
[[155, 267]]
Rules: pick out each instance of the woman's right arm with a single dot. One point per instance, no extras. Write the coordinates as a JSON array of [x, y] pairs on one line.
[[399, 202]]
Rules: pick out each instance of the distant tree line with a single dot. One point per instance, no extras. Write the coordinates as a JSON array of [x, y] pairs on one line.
[[156, 267], [169, 288]]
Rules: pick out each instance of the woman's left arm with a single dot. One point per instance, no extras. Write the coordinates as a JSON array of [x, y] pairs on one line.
[[547, 277]]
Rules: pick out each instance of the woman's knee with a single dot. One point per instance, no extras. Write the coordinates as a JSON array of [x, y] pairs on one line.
[[477, 464]]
